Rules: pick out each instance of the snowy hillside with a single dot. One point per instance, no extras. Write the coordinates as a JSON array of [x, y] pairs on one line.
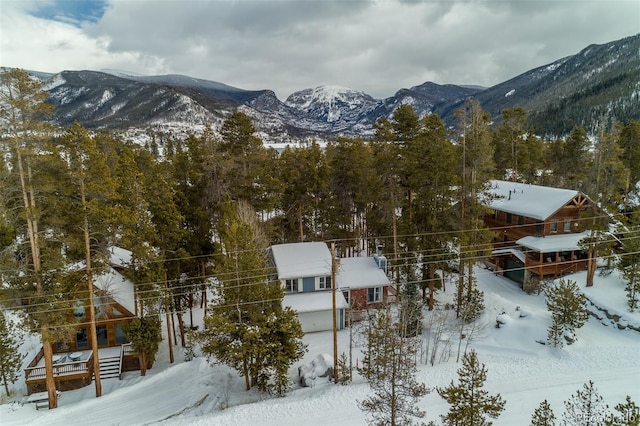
[[523, 371]]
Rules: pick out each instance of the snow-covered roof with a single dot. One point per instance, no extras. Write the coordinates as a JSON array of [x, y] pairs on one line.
[[534, 201], [298, 260], [360, 272], [553, 243], [117, 286], [119, 256], [517, 253], [314, 301]]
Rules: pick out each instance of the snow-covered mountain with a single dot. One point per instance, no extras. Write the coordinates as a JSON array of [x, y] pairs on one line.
[[332, 108], [600, 81]]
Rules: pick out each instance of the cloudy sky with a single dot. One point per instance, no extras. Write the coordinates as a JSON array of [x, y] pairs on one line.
[[375, 46]]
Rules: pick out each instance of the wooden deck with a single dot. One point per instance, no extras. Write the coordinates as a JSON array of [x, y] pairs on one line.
[[553, 268]]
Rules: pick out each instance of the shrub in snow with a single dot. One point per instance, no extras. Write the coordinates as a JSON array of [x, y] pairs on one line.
[[585, 408], [321, 366], [502, 319], [566, 304], [543, 415]]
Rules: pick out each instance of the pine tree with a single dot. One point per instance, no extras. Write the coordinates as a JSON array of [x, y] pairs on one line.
[[389, 366], [543, 415], [585, 408], [476, 169], [145, 336], [344, 372], [566, 304], [554, 334], [246, 326], [605, 186], [22, 124], [629, 265], [470, 404], [10, 358], [627, 414]]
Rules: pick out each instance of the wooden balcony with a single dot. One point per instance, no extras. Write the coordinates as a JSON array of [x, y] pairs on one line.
[[68, 373], [550, 266]]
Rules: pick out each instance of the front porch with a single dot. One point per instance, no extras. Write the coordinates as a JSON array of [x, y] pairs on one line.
[[554, 255]]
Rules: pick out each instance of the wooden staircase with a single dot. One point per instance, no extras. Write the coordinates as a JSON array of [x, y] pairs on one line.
[[110, 367]]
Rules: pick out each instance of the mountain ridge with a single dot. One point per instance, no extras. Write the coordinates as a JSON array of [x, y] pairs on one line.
[[601, 83]]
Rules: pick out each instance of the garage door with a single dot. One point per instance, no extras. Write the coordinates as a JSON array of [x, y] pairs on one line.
[[320, 321], [514, 271], [315, 321]]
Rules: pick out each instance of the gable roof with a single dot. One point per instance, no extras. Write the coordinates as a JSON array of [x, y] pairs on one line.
[[119, 288], [360, 272], [298, 260], [534, 201]]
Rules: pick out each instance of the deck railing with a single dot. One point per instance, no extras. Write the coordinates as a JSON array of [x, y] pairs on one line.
[[61, 369], [125, 349]]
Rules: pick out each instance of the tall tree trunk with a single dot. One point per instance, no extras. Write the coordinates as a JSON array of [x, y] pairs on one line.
[[32, 228], [92, 312]]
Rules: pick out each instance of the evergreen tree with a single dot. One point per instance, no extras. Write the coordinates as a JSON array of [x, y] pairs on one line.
[[22, 124], [431, 176], [605, 186], [566, 304], [145, 336], [585, 408], [476, 169], [86, 194], [241, 165], [629, 141], [389, 366], [246, 326], [470, 403], [10, 358], [543, 415], [627, 414], [304, 196], [629, 265], [575, 161], [554, 334], [510, 155], [350, 190], [344, 372]]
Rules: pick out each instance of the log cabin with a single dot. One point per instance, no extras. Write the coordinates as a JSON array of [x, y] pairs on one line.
[[538, 231], [113, 296]]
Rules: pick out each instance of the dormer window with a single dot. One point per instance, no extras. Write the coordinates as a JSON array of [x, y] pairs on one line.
[[291, 286], [325, 283]]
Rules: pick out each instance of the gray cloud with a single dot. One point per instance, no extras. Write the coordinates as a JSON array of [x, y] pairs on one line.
[[287, 45]]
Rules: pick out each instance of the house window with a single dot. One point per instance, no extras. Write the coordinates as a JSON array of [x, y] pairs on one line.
[[101, 332], [325, 283], [520, 220], [292, 286], [554, 226], [374, 294], [567, 226], [81, 339], [508, 217], [120, 336], [346, 296], [538, 228]]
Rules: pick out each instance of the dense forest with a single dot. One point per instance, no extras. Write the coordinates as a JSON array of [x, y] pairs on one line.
[[415, 191]]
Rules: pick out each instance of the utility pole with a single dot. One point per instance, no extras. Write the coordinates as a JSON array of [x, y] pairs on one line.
[[335, 320]]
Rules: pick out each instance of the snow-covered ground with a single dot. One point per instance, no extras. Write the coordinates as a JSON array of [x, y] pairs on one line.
[[523, 371]]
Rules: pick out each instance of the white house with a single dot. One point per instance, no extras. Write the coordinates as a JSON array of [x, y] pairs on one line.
[[304, 270]]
